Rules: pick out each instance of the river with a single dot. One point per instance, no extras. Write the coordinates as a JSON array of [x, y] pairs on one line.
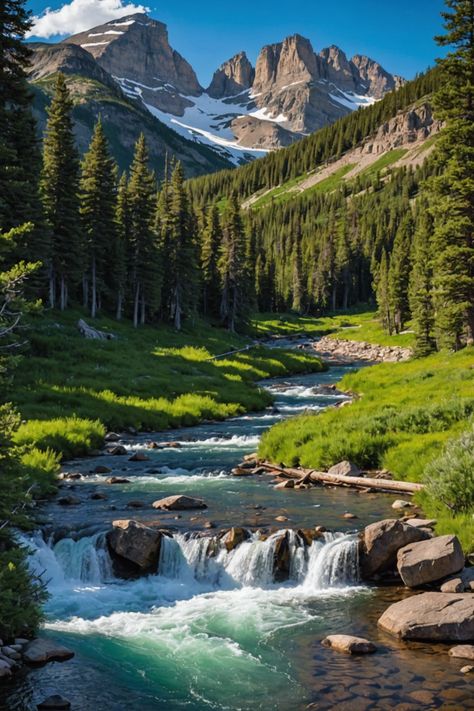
[[219, 633]]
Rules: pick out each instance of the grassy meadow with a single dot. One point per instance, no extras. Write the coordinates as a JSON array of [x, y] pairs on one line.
[[403, 418], [69, 390]]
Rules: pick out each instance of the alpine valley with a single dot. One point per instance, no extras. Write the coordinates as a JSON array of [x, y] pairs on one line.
[[127, 71]]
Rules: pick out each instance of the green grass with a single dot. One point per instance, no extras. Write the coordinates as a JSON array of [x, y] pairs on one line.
[[359, 324], [281, 193], [69, 389], [385, 161], [406, 414], [332, 182]]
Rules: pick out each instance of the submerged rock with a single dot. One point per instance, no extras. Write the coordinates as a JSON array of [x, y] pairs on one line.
[[431, 616], [427, 561], [136, 543], [69, 500], [117, 451], [54, 702], [40, 651], [117, 480], [462, 651], [349, 644], [179, 502], [112, 437], [380, 543], [139, 457]]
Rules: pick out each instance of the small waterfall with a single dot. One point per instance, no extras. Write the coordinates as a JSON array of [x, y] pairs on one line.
[[86, 560], [332, 563]]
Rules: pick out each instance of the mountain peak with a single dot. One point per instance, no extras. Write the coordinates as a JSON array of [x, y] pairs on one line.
[[290, 61], [232, 78], [136, 47]]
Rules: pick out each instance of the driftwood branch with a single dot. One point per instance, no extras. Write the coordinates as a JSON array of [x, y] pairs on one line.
[[358, 482]]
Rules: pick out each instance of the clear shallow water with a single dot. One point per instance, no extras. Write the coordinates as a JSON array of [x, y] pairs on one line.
[[219, 633]]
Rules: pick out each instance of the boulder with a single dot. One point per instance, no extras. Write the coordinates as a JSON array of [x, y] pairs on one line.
[[427, 561], [136, 543], [463, 582], [179, 503], [40, 651], [117, 451], [242, 471], [282, 559], [5, 670], [349, 644], [345, 468], [421, 522], [380, 543], [139, 457], [402, 504], [101, 469], [117, 480], [431, 616], [98, 495], [462, 651], [54, 702], [112, 437], [135, 504], [69, 500], [235, 537], [467, 669]]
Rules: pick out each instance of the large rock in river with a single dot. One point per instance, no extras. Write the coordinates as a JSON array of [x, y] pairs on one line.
[[136, 543], [380, 543], [234, 537], [179, 503], [428, 561], [432, 616], [40, 651]]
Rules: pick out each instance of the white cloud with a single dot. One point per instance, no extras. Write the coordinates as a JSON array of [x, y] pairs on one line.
[[80, 15]]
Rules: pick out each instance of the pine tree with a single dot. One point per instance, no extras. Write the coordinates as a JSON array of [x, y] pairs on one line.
[[181, 252], [234, 301], [399, 274], [297, 276], [421, 299], [98, 210], [383, 294], [117, 278], [60, 187], [20, 158], [453, 190], [145, 269], [210, 244]]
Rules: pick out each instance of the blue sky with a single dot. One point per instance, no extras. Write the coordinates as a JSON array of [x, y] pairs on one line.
[[398, 34]]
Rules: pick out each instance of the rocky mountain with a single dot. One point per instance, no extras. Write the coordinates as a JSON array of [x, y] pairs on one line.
[[95, 92], [245, 111]]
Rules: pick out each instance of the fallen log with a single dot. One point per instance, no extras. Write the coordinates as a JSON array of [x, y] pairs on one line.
[[341, 480], [93, 333]]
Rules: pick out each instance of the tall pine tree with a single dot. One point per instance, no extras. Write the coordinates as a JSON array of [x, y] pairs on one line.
[[453, 190], [421, 278], [60, 190], [210, 244], [98, 198], [144, 255], [232, 266]]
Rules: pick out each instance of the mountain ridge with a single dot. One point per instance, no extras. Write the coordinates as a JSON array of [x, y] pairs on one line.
[[245, 111]]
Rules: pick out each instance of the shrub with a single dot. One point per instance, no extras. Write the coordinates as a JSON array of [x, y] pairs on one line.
[[450, 478]]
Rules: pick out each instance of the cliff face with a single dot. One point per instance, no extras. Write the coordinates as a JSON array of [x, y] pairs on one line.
[[292, 91], [232, 78]]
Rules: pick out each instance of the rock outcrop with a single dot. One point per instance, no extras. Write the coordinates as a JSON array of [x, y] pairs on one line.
[[462, 651], [426, 562], [232, 78], [380, 543], [431, 616]]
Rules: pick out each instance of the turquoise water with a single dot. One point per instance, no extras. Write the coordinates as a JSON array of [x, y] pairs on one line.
[[218, 632]]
